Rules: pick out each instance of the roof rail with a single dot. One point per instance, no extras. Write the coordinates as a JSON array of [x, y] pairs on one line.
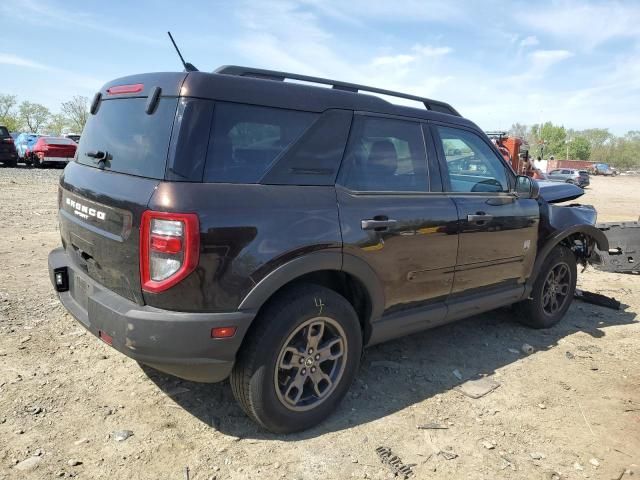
[[429, 104]]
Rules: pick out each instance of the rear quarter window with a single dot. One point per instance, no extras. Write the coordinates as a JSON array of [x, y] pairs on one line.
[[247, 139], [4, 132]]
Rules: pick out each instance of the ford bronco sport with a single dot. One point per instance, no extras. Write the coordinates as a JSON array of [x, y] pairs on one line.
[[237, 224]]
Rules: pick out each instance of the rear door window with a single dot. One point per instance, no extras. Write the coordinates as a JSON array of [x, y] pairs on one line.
[[385, 155], [136, 143], [4, 133], [247, 139]]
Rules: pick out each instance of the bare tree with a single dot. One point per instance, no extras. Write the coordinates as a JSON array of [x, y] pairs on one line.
[[57, 124], [33, 116], [520, 130], [8, 113], [76, 111]]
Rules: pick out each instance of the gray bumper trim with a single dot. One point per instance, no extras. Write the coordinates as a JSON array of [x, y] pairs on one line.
[[178, 343]]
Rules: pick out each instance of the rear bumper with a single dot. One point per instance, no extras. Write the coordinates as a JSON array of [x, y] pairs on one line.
[[178, 343], [8, 156], [56, 159]]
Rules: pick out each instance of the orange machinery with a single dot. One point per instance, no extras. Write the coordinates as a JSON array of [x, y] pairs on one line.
[[515, 151]]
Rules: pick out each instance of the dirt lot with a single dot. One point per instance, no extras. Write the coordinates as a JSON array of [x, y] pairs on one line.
[[569, 410]]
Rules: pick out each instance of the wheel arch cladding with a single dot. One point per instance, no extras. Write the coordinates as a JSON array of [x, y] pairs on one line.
[[353, 279]]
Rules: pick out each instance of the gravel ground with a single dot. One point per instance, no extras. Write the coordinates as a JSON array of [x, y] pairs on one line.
[[570, 409]]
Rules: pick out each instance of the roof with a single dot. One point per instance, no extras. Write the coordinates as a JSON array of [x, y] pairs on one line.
[[254, 86]]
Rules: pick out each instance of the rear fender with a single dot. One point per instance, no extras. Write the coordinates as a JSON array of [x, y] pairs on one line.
[[315, 262]]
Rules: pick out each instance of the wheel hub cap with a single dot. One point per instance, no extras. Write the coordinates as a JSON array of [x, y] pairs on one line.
[[556, 288], [310, 364]]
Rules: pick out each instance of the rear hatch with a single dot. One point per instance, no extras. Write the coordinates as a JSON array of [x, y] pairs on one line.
[[121, 158], [584, 176]]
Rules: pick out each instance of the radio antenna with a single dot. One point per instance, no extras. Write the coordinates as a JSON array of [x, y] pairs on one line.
[[188, 67]]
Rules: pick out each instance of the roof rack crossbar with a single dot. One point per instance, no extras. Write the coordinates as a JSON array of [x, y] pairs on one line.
[[335, 84]]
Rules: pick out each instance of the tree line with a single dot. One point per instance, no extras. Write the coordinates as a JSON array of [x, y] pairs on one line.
[[594, 144], [36, 118], [545, 140]]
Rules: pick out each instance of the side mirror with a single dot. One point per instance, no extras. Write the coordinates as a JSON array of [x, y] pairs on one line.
[[527, 187]]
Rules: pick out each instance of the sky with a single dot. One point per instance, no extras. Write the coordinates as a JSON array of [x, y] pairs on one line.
[[575, 63]]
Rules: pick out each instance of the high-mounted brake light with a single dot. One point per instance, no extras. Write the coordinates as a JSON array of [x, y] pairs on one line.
[[169, 248], [122, 89]]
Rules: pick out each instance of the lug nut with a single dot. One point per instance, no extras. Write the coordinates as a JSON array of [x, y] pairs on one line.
[[304, 371], [310, 351], [313, 369], [301, 361], [318, 357]]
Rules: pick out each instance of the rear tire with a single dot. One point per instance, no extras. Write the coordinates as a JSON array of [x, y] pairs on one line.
[[552, 292], [298, 360]]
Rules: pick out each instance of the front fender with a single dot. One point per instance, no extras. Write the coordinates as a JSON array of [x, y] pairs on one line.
[[556, 238]]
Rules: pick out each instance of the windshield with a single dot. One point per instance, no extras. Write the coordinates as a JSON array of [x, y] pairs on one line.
[[135, 142]]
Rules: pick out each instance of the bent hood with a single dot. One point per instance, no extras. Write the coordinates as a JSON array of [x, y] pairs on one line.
[[555, 192]]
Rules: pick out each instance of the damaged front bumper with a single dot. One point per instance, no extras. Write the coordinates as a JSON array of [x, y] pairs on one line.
[[623, 255]]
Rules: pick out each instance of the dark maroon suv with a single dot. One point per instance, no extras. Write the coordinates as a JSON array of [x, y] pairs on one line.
[[237, 224]]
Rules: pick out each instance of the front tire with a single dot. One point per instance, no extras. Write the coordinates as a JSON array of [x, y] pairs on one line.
[[552, 291], [299, 359]]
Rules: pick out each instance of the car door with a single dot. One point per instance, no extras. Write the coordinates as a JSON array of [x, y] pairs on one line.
[[555, 175], [497, 230], [392, 216], [571, 176]]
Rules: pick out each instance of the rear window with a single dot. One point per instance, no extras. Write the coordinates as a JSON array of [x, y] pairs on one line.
[[247, 139], [136, 143], [4, 132], [59, 141]]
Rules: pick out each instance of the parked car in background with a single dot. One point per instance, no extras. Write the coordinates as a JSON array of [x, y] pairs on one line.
[[24, 143], [8, 154], [604, 169], [73, 136], [52, 150], [569, 175]]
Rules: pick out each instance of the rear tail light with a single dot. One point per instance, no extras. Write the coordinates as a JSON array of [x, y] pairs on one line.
[[105, 337], [169, 248], [7, 140]]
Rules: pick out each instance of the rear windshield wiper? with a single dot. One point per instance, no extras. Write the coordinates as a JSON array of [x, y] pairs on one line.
[[100, 157], [98, 154]]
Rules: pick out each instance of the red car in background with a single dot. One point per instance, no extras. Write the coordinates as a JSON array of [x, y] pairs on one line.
[[52, 150]]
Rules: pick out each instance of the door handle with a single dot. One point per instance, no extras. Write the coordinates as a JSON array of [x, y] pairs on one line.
[[373, 224], [479, 217]]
